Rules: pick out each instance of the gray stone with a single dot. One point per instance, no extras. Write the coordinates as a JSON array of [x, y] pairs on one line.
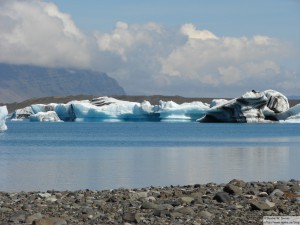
[[238, 183], [87, 210], [187, 199], [164, 207], [149, 205], [50, 221], [222, 197], [261, 205], [44, 195], [185, 210], [5, 209], [271, 204], [197, 195], [18, 218], [33, 217], [99, 202], [138, 195], [205, 215], [231, 189], [262, 194], [129, 217], [295, 188], [174, 202], [277, 193], [252, 191], [176, 215], [282, 187]]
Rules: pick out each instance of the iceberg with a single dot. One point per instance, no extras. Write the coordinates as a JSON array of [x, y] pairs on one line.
[[251, 107], [21, 114], [3, 114], [245, 109], [49, 116], [186, 111], [111, 109], [106, 108]]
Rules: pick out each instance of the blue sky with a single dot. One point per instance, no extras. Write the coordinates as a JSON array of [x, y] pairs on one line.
[[171, 47], [278, 18]]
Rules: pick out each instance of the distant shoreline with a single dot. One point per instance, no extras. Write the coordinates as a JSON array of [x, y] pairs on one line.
[[153, 99]]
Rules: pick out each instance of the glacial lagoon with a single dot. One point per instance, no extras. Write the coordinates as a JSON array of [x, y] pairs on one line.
[[94, 155]]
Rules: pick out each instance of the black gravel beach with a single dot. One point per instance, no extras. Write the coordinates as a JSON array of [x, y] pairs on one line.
[[237, 202]]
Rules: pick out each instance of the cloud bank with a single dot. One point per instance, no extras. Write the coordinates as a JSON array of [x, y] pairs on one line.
[[147, 58]]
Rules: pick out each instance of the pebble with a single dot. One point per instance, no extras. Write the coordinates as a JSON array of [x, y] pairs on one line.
[[236, 202]]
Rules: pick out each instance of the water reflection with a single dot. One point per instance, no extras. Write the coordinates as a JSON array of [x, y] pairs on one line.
[[104, 168]]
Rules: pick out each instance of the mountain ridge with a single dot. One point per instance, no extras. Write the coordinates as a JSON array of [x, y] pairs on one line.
[[21, 82]]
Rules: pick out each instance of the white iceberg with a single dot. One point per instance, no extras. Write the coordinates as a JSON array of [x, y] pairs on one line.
[[49, 116], [104, 108], [63, 111], [111, 109], [21, 114], [186, 111], [3, 115]]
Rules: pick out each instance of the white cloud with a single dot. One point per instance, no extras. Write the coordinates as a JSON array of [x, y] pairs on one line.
[[191, 31], [124, 39], [229, 75], [36, 32], [146, 58]]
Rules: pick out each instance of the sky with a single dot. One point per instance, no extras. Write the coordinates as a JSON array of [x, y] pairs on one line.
[[193, 48]]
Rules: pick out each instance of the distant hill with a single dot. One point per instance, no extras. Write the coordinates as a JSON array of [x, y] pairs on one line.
[[20, 82]]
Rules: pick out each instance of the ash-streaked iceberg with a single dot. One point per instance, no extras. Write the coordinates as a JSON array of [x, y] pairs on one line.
[[245, 109], [252, 107], [3, 115]]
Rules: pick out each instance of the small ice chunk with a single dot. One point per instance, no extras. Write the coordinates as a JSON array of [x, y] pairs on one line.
[[3, 115]]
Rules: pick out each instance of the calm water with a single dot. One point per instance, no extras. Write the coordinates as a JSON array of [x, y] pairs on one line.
[[72, 156]]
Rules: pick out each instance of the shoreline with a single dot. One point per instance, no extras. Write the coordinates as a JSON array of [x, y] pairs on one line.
[[236, 202]]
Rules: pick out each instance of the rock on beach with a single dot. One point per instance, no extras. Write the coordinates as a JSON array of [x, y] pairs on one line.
[[237, 202]]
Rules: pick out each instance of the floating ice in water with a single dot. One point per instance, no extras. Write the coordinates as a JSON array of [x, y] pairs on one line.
[[49, 116], [3, 114], [21, 114], [245, 109], [251, 107], [186, 111], [104, 108]]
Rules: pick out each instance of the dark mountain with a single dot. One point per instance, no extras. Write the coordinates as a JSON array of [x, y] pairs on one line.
[[20, 82]]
